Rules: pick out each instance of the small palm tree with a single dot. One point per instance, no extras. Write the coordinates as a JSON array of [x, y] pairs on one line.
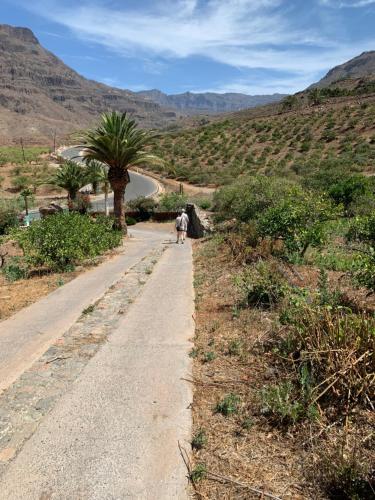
[[98, 174], [70, 176], [120, 144]]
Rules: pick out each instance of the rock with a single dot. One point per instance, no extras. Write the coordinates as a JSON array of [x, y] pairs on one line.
[[51, 209]]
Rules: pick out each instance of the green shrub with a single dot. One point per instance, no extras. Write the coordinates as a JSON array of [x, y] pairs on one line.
[[348, 190], [228, 405], [62, 240], [249, 196], [199, 440], [298, 220], [198, 473], [8, 215], [145, 206], [15, 269], [170, 202], [280, 402], [130, 221], [261, 285]]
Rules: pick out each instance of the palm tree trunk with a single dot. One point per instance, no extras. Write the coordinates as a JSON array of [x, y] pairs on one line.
[[119, 206]]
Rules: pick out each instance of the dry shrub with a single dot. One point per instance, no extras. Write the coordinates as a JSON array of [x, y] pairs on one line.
[[344, 466], [338, 348]]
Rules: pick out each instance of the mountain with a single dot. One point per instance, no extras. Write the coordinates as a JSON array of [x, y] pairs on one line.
[[209, 102], [40, 94], [362, 66]]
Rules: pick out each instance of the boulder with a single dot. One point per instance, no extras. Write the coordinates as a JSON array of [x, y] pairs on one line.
[[52, 208]]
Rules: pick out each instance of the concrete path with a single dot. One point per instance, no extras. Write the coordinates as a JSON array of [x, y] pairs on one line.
[[26, 335], [114, 435]]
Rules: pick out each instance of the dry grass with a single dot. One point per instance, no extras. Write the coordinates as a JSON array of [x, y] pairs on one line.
[[242, 447], [233, 355]]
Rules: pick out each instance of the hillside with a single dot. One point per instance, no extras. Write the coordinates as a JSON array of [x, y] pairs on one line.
[[39, 93], [361, 66], [209, 102], [272, 141]]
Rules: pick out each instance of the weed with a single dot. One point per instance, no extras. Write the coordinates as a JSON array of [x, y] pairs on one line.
[[261, 285], [228, 405], [60, 282], [235, 348], [209, 356], [279, 401], [148, 270], [194, 353], [247, 423], [198, 473], [199, 440], [88, 309]]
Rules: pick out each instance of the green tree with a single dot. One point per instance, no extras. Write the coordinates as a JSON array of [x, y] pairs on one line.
[[70, 176], [98, 174], [289, 102], [120, 144], [26, 194], [348, 190], [315, 96], [297, 220]]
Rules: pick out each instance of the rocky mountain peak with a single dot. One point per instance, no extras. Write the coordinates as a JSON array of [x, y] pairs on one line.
[[24, 34]]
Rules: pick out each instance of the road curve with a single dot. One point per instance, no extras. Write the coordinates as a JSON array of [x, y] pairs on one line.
[[139, 185]]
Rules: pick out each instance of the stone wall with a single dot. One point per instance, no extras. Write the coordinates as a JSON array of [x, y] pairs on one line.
[[200, 224]]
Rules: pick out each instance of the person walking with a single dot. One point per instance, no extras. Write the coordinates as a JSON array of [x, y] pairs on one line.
[[178, 227], [182, 222]]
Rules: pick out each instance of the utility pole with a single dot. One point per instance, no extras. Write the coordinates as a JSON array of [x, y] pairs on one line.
[[23, 150], [54, 141]]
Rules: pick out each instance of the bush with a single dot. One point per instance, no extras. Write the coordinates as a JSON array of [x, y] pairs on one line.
[[145, 206], [336, 348], [348, 190], [248, 197], [130, 221], [171, 202], [298, 220], [8, 216], [362, 231], [62, 240], [280, 402], [15, 269], [261, 285], [228, 405]]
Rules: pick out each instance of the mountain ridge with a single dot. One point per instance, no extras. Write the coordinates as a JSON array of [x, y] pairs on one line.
[[209, 102], [358, 67]]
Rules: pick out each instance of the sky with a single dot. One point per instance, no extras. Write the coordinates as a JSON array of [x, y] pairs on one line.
[[249, 46]]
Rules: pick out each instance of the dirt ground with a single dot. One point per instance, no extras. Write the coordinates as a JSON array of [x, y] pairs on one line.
[[242, 447]]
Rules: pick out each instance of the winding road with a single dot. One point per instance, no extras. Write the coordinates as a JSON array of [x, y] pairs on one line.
[[139, 185]]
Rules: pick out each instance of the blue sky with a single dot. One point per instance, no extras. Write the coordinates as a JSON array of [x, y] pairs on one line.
[[250, 46]]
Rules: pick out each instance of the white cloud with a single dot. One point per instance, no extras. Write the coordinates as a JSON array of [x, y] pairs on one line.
[[348, 4], [245, 34]]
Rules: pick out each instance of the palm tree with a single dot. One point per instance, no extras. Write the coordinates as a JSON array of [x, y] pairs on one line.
[[98, 174], [72, 177], [120, 144]]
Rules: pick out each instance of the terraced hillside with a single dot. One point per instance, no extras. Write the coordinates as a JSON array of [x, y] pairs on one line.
[[338, 133]]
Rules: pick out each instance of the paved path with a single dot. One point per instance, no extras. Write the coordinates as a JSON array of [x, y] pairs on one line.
[[26, 335], [114, 434]]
